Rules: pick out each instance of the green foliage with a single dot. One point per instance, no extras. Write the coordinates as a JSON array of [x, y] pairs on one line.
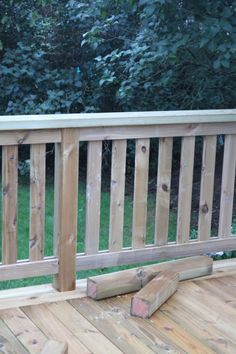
[[101, 55], [30, 85]]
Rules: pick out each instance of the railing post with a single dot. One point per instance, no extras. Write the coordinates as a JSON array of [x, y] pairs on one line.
[[65, 208]]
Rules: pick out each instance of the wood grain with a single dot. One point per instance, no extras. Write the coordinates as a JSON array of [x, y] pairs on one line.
[[57, 199], [9, 203], [126, 281], [156, 131], [118, 335], [37, 201], [135, 131], [117, 195], [140, 193], [93, 197], [154, 253], [185, 189], [207, 187], [25, 330], [55, 347], [146, 301], [95, 341], [8, 342], [27, 269], [22, 137], [54, 329], [79, 120], [163, 191], [65, 280], [227, 186]]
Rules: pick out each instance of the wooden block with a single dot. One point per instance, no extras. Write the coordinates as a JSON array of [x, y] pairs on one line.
[[54, 347], [107, 285], [154, 294]]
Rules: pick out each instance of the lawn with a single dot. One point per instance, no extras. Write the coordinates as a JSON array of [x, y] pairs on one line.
[[23, 228]]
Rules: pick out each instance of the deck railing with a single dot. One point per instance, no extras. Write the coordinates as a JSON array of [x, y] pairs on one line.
[[66, 131]]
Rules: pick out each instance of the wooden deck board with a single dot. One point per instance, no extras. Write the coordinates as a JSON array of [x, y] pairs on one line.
[[173, 333], [24, 330], [199, 318], [9, 344], [54, 329]]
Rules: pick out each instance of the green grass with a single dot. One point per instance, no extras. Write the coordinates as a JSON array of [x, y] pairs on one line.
[[23, 229]]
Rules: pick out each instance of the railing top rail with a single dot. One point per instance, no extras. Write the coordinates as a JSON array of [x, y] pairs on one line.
[[82, 120]]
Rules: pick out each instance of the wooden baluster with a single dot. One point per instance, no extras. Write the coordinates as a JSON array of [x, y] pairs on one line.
[[37, 201], [207, 187], [65, 226], [9, 203], [163, 191], [57, 198], [185, 189], [93, 197], [140, 193], [227, 186], [117, 195]]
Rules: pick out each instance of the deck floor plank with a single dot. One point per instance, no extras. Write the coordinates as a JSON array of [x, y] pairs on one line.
[[173, 332], [124, 339], [143, 328], [9, 344], [209, 313], [82, 328], [222, 288], [24, 330], [210, 308], [54, 329], [199, 326], [199, 318]]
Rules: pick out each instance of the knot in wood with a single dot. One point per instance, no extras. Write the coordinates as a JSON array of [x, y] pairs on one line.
[[143, 148], [141, 273], [20, 141], [204, 208], [113, 182], [6, 189], [33, 180], [164, 187]]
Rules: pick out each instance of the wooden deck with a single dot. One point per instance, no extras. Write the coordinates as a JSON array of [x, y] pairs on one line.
[[199, 318]]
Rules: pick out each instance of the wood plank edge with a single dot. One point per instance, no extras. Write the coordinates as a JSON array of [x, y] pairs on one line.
[[153, 254], [55, 347], [39, 294], [28, 269], [48, 121]]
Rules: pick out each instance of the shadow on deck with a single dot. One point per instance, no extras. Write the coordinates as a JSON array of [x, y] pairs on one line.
[[199, 318]]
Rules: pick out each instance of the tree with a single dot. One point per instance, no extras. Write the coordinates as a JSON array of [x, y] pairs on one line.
[[102, 55]]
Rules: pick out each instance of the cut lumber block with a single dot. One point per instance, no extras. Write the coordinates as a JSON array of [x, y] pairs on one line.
[[154, 294], [54, 347], [127, 281]]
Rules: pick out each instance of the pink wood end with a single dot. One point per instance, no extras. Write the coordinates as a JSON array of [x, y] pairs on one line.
[[139, 308], [91, 290]]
